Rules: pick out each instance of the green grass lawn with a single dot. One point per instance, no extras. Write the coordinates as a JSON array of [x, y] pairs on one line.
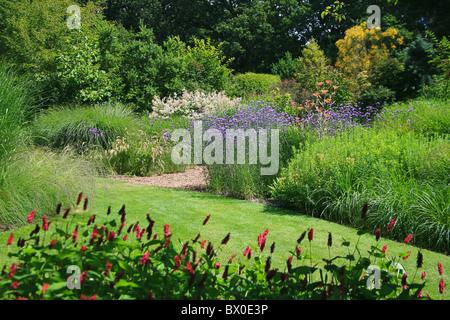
[[185, 211]]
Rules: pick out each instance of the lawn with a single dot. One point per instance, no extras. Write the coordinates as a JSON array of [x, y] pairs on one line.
[[184, 211]]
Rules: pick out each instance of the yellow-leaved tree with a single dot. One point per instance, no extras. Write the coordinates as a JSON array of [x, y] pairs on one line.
[[363, 47]]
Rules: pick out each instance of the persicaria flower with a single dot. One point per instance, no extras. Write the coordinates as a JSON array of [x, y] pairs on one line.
[[108, 268], [144, 258], [15, 285], [226, 239], [232, 257], [80, 196], [83, 248], [378, 234], [45, 223], [404, 281], [310, 234], [424, 274], [10, 239], [299, 251], [167, 231], [407, 256], [391, 224], [419, 259], [301, 237], [408, 238], [189, 268], [31, 216], [44, 287], [441, 286], [272, 247], [206, 219], [52, 243], [289, 263], [247, 250], [12, 270], [384, 249], [440, 269], [216, 265], [66, 213], [330, 240]]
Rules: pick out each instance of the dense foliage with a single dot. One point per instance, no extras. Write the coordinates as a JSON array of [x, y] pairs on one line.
[[117, 260]]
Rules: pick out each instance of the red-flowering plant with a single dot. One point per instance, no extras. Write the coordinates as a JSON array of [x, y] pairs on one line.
[[111, 267]]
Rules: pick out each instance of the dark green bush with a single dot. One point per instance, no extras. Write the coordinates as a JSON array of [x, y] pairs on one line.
[[249, 83]]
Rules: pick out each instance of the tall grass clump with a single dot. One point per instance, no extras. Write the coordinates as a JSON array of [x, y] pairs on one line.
[[31, 178], [400, 174], [429, 117], [15, 109], [84, 127]]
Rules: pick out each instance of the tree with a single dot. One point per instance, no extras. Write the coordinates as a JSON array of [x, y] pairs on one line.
[[362, 47]]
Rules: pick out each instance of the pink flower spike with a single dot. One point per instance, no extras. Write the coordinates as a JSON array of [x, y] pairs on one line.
[[408, 239], [31, 216], [391, 224], [440, 269], [10, 239], [206, 219], [44, 287], [310, 234], [45, 223]]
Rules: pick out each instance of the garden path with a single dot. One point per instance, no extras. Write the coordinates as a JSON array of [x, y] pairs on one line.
[[191, 179]]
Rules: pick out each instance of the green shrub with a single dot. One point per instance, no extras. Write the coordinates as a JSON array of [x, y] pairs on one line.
[[15, 110], [245, 84], [130, 261], [78, 77], [84, 127], [389, 169], [286, 67]]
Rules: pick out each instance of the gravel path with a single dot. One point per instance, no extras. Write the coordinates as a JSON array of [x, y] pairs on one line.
[[191, 179]]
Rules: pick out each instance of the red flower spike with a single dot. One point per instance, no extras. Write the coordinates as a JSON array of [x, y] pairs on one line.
[[10, 239], [272, 248], [144, 258], [15, 285], [167, 231], [66, 213], [226, 239], [378, 234], [424, 274], [440, 269], [52, 244], [80, 196], [311, 234], [232, 257], [189, 268], [299, 251], [408, 239], [44, 287], [404, 281], [206, 219], [384, 249], [85, 204], [31, 216], [45, 223], [441, 286], [391, 224]]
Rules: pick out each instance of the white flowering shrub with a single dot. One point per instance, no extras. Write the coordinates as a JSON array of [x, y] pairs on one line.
[[192, 104]]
